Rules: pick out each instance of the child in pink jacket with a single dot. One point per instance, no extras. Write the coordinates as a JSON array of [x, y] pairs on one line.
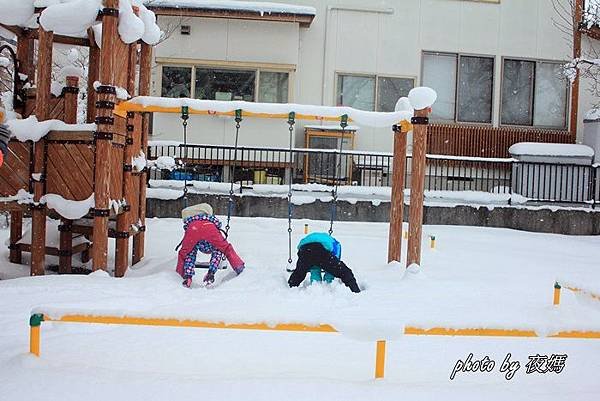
[[203, 233]]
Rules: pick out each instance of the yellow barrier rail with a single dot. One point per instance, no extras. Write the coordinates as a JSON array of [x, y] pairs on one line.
[[36, 320], [558, 287]]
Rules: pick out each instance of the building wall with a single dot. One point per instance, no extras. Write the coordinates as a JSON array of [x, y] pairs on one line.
[[353, 36]]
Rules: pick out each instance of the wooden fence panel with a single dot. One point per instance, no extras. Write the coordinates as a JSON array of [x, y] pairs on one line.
[[485, 141], [15, 173]]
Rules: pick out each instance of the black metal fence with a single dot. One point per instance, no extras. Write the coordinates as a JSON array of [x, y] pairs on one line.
[[541, 182]]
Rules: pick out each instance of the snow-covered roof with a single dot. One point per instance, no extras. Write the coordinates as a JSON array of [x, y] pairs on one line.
[[551, 149], [234, 5]]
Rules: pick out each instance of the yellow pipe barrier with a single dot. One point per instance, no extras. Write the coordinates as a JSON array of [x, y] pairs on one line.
[[36, 320], [34, 340], [432, 241], [558, 286], [380, 360], [306, 229]]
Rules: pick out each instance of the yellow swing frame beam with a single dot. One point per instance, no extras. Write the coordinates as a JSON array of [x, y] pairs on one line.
[[122, 108], [37, 319]]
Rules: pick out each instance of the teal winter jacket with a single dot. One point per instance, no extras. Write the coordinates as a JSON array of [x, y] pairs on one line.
[[328, 242]]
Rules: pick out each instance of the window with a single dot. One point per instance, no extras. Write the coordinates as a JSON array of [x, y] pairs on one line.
[[533, 93], [273, 87], [464, 85], [215, 83], [220, 84], [368, 92], [176, 81]]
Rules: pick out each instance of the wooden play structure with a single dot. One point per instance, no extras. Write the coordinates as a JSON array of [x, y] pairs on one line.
[[80, 165]]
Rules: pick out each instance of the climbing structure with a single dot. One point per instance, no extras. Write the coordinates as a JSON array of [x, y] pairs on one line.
[[91, 176]]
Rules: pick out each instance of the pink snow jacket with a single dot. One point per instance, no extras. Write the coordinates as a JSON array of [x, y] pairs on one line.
[[199, 229]]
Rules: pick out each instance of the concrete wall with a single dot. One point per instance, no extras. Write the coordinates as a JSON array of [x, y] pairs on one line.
[[353, 36], [560, 221]]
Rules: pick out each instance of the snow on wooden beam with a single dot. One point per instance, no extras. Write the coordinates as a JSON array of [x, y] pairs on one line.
[[304, 20]]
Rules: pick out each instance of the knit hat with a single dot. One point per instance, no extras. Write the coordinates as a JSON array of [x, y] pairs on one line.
[[201, 208]]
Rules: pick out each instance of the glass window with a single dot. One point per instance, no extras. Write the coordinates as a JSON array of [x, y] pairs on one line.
[[550, 99], [176, 81], [475, 89], [356, 91], [517, 92], [222, 84], [439, 72], [273, 87], [389, 90]]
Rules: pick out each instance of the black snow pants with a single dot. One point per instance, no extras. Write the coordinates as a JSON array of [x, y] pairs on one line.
[[314, 254]]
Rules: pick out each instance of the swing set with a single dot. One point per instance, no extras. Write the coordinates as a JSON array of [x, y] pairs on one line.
[[291, 121]]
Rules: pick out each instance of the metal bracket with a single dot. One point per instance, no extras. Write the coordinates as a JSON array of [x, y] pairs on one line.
[[110, 12], [120, 234], [106, 89], [64, 252], [103, 135], [105, 120], [396, 128], [100, 212], [130, 114], [70, 89], [419, 120], [64, 228], [128, 141], [38, 206], [130, 127], [105, 104], [127, 168]]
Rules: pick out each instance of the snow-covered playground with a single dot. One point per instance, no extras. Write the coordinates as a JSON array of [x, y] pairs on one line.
[[474, 278]]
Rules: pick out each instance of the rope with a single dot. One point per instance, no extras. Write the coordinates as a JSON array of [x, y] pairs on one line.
[[238, 120], [184, 117], [338, 173], [291, 121]]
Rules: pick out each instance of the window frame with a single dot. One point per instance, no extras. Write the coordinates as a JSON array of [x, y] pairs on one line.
[[368, 75], [255, 67], [535, 61], [458, 55]]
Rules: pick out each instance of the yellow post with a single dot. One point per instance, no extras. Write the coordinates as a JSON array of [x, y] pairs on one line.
[[380, 360], [306, 229], [35, 324], [405, 234], [556, 293], [432, 241]]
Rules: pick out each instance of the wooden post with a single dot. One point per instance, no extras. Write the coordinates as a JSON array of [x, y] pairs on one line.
[[71, 95], [42, 112], [144, 90], [93, 76], [417, 187], [577, 19], [397, 205], [65, 249], [104, 137], [16, 233], [25, 47]]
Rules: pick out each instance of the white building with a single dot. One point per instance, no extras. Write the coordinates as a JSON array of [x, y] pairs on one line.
[[496, 64]]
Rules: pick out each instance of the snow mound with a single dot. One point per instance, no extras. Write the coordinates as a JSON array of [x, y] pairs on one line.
[[550, 149], [30, 129], [69, 209], [59, 17], [422, 97]]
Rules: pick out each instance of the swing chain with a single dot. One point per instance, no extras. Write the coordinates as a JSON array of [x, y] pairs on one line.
[[185, 115], [238, 120], [334, 191], [291, 121]]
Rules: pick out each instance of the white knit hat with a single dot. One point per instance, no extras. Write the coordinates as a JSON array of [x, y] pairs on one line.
[[201, 208]]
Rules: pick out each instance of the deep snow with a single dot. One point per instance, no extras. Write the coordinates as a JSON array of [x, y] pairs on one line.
[[475, 277]]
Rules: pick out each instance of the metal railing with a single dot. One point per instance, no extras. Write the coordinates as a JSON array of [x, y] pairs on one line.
[[533, 181]]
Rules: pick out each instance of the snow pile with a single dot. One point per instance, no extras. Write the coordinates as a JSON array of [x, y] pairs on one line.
[[22, 197], [60, 17], [403, 104], [163, 163], [52, 235], [233, 5], [16, 12], [30, 129], [139, 162], [421, 97], [131, 27], [69, 209], [550, 149], [152, 33]]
